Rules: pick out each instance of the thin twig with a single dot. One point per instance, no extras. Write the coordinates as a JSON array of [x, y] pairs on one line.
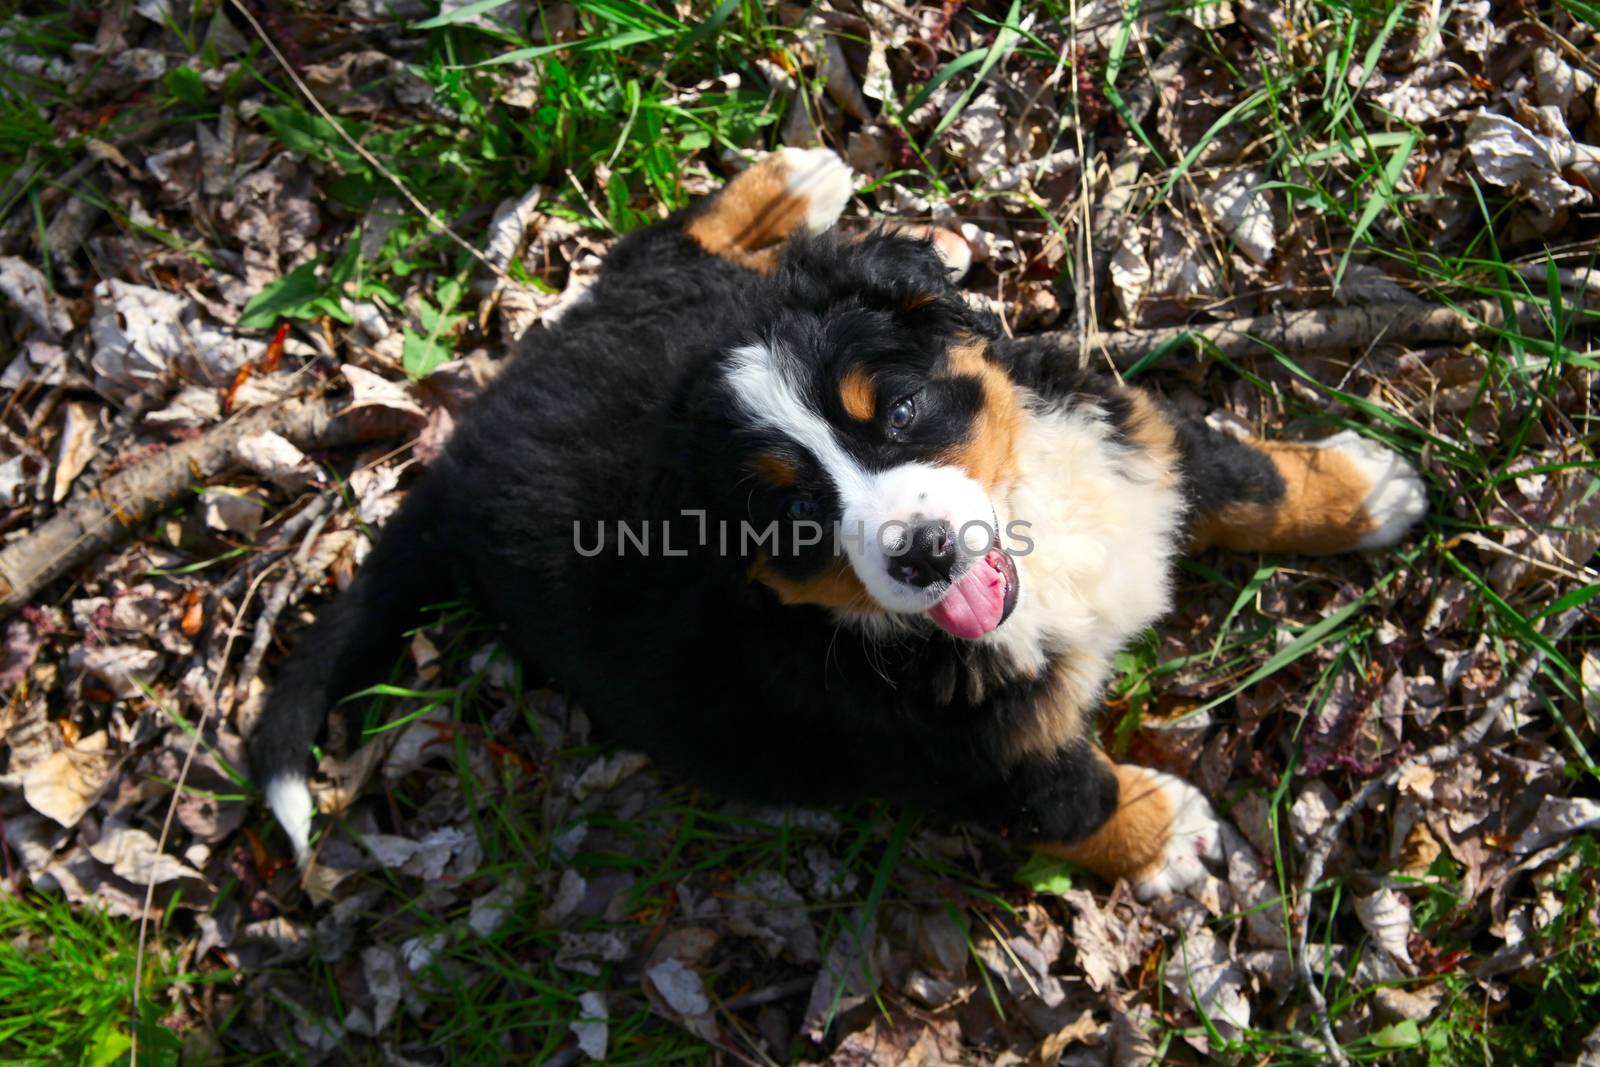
[[782, 991], [438, 224], [1516, 692], [1085, 315]]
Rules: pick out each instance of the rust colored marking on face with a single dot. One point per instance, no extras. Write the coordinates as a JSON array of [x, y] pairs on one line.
[[1132, 843], [989, 454], [753, 212], [1323, 509], [776, 471], [836, 586], [856, 393]]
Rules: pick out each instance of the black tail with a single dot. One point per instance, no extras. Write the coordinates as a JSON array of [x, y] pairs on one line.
[[352, 645]]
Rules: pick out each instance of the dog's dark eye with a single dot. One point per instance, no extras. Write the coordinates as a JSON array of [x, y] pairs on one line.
[[901, 415], [802, 508]]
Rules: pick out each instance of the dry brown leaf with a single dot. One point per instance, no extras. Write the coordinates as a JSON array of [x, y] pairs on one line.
[[380, 966], [26, 288], [845, 979], [1387, 917], [490, 911], [584, 952], [590, 1027], [509, 232], [1083, 1030], [276, 459], [1244, 212], [338, 782], [230, 511], [1514, 157], [192, 407], [1110, 941], [679, 987], [372, 391], [607, 772], [74, 448], [126, 670], [132, 854], [766, 907], [1202, 972], [1557, 819], [900, 1042]]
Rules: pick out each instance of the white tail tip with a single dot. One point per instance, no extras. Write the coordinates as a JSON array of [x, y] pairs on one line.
[[291, 802]]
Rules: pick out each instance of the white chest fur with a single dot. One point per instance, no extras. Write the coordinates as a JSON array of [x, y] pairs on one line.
[[1103, 518]]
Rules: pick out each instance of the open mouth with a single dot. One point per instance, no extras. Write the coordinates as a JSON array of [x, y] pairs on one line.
[[980, 600]]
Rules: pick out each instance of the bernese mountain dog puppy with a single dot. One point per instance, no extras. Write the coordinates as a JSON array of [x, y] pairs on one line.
[[784, 511]]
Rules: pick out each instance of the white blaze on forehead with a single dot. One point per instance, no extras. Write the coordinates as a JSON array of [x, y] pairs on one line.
[[875, 506], [771, 399]]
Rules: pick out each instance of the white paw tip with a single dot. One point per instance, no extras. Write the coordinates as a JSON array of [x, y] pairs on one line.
[[1397, 497], [1196, 837], [823, 179], [290, 800]]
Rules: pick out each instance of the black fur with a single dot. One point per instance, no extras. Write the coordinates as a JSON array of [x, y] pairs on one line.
[[1219, 469], [617, 413]]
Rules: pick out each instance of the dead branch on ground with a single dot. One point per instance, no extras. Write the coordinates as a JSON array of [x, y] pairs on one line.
[[1302, 332], [102, 517]]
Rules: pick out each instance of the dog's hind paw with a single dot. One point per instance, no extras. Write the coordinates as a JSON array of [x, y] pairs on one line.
[[1397, 497]]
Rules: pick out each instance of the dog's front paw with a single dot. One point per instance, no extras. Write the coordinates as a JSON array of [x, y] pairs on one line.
[[1193, 837], [1159, 838], [1396, 498]]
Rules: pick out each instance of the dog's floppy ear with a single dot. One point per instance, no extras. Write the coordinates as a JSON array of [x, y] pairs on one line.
[[703, 435], [883, 270]]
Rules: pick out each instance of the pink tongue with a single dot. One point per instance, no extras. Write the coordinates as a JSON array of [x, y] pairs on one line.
[[974, 605]]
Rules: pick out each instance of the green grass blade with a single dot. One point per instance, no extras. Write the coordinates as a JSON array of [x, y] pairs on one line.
[[944, 74], [1513, 618], [1246, 594], [615, 42], [1383, 199], [461, 14], [1308, 639], [1004, 42]]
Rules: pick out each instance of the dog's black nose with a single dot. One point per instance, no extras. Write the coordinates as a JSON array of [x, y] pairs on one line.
[[928, 558]]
